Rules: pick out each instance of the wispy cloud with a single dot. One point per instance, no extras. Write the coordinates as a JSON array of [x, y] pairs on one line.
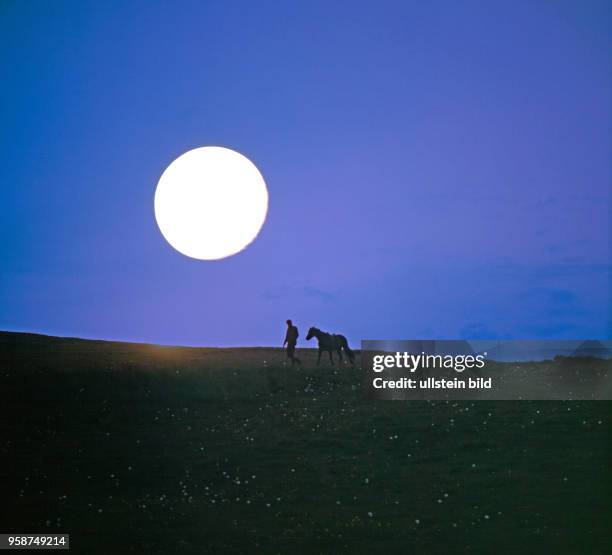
[[301, 291], [315, 292]]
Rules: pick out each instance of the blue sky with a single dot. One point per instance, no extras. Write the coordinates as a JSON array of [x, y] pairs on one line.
[[435, 170]]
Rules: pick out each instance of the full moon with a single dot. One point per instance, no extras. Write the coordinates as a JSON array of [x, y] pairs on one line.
[[210, 203]]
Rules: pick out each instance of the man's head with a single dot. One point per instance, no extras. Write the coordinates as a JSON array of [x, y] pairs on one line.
[[289, 323]]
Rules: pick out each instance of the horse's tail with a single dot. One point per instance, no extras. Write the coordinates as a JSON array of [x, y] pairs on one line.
[[344, 344]]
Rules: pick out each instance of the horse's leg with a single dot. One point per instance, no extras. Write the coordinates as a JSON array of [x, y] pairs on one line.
[[319, 359], [331, 358], [347, 350]]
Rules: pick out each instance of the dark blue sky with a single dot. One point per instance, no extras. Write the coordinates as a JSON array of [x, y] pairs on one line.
[[435, 169]]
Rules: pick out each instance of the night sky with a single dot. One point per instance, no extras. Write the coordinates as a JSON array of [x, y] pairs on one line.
[[435, 169]]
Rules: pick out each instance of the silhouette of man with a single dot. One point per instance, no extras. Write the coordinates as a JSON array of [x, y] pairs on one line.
[[291, 338]]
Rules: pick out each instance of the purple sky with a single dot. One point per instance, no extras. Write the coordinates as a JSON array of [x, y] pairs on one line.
[[435, 170]]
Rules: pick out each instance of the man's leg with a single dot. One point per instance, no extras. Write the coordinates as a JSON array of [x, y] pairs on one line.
[[290, 353], [296, 358]]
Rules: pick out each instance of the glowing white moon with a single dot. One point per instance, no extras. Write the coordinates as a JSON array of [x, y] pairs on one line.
[[210, 203]]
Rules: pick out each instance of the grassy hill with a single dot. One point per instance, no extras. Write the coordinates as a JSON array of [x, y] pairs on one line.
[[135, 448]]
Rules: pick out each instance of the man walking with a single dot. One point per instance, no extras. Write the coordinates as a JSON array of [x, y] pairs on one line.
[[291, 341]]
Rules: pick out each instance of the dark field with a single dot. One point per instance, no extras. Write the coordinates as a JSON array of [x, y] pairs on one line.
[[145, 449]]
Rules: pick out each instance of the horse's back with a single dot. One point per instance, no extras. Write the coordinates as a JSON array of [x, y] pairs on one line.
[[339, 340]]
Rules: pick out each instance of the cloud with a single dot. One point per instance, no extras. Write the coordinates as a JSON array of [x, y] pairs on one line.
[[316, 293], [279, 292], [478, 330], [554, 302], [307, 291]]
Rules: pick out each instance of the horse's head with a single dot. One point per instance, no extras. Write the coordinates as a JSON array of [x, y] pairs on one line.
[[312, 332]]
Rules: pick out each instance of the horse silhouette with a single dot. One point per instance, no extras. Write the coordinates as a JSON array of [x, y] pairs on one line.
[[330, 342]]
